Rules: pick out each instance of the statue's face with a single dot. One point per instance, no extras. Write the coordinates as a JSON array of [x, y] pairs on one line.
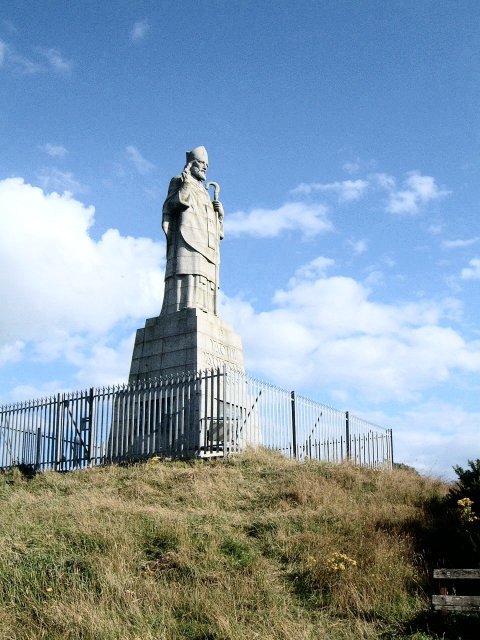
[[199, 168]]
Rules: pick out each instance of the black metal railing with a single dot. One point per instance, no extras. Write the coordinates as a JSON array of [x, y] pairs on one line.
[[203, 414]]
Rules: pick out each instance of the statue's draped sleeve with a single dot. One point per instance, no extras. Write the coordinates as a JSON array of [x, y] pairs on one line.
[[175, 202]]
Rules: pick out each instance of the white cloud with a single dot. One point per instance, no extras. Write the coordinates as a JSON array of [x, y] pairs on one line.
[[459, 244], [52, 179], [383, 181], [11, 352], [56, 61], [315, 268], [55, 150], [141, 165], [433, 436], [24, 392], [352, 167], [308, 219], [58, 285], [51, 59], [23, 64], [329, 329], [436, 228], [473, 271], [374, 279], [139, 30], [9, 58], [103, 364], [389, 261], [358, 246], [418, 190], [346, 191]]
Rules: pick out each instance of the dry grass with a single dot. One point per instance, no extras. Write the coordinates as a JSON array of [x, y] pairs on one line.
[[228, 550]]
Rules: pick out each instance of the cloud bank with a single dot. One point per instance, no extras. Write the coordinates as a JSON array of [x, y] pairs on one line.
[[308, 219], [57, 283], [330, 329], [472, 272], [46, 59], [417, 191]]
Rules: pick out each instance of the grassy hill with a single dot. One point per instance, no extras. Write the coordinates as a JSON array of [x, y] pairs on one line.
[[250, 547]]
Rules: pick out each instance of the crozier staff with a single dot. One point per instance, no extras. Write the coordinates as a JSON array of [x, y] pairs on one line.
[[193, 226]]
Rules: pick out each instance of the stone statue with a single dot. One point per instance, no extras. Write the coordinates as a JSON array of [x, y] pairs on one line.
[[193, 225], [189, 335]]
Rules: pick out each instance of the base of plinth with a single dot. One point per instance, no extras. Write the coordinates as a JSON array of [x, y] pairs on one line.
[[187, 340]]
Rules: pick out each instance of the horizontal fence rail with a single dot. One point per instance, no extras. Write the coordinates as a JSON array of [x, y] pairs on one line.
[[204, 414]]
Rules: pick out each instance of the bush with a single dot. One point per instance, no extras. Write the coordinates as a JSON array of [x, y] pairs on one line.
[[464, 502], [468, 484]]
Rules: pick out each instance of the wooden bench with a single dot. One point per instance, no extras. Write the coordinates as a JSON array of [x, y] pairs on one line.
[[452, 581]]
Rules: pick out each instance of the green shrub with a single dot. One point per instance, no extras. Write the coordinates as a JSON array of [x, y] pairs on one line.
[[468, 484], [463, 501]]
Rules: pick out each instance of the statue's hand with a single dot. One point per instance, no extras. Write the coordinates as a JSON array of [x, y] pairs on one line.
[[186, 173], [218, 208]]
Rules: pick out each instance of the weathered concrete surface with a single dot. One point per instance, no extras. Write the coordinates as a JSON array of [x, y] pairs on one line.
[[188, 340]]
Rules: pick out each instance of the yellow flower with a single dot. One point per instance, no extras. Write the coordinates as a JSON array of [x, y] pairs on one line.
[[49, 589], [340, 562], [466, 512]]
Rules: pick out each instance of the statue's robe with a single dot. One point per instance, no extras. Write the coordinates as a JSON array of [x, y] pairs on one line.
[[193, 231]]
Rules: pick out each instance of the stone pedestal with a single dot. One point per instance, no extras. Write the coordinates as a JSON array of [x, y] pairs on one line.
[[187, 340]]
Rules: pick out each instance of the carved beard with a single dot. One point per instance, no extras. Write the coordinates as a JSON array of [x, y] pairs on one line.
[[198, 174]]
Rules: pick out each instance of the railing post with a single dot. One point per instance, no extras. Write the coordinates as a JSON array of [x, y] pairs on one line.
[[91, 430], [60, 406], [225, 417], [38, 449], [347, 434], [391, 447], [294, 425]]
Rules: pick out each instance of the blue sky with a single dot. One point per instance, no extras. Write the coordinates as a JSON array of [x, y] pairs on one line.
[[345, 137]]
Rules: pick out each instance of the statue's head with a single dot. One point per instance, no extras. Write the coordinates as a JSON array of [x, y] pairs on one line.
[[198, 158]]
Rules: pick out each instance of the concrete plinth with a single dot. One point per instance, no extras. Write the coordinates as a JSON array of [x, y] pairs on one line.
[[187, 340]]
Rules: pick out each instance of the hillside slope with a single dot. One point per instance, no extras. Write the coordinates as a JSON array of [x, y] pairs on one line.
[[251, 547]]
